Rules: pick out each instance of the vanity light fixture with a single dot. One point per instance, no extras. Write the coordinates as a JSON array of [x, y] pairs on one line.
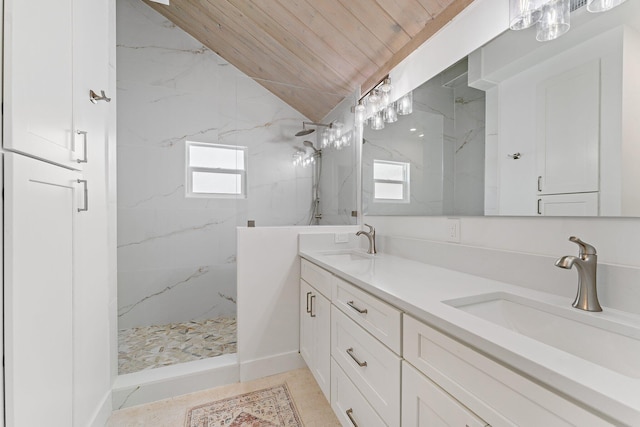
[[376, 105], [551, 17]]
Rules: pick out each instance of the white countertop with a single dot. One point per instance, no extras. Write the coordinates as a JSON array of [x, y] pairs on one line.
[[419, 290]]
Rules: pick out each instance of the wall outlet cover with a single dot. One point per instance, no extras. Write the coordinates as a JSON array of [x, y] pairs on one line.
[[341, 238], [453, 230]]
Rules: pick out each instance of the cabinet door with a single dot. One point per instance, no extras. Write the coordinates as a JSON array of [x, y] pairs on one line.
[[38, 70], [321, 326], [39, 215], [424, 404], [577, 204], [568, 131], [306, 326]]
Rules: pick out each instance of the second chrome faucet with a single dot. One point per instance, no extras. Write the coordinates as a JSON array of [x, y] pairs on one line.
[[586, 263], [371, 235]]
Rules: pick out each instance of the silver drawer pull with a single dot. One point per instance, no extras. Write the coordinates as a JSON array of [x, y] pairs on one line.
[[86, 195], [349, 412], [84, 145], [350, 353], [312, 312], [308, 309], [359, 310]]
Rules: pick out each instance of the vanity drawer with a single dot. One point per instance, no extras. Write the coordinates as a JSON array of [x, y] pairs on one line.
[[346, 400], [317, 277], [372, 367], [426, 404], [492, 391], [380, 319]]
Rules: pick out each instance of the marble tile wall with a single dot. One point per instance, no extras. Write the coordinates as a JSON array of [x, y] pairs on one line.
[[469, 154], [177, 255]]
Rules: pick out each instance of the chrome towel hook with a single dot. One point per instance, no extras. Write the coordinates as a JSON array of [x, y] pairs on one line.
[[94, 97]]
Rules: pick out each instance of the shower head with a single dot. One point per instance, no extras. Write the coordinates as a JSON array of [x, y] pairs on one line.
[[310, 144], [304, 131]]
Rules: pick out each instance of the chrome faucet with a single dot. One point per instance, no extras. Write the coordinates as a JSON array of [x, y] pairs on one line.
[[371, 235], [586, 263]]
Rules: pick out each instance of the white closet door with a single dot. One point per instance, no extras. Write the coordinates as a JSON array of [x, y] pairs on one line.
[[38, 97], [568, 131], [39, 213]]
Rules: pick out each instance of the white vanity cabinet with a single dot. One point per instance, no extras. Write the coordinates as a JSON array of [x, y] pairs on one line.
[[315, 324], [425, 404], [495, 393]]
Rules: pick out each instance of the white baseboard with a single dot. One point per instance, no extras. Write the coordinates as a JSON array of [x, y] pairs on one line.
[[162, 383], [259, 368], [103, 412]]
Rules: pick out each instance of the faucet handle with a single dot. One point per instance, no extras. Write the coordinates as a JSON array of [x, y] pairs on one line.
[[585, 248], [371, 229]]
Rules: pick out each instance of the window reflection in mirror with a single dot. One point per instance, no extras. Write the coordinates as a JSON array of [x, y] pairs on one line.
[[442, 142]]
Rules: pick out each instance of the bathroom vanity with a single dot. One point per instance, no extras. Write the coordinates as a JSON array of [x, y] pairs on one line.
[[396, 342]]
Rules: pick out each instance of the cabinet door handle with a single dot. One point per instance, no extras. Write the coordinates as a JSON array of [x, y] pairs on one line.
[[359, 310], [86, 195], [353, 356], [312, 312], [539, 183], [308, 309], [539, 207], [350, 415], [84, 145]]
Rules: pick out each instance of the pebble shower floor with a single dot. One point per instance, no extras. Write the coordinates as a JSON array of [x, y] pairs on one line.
[[163, 345]]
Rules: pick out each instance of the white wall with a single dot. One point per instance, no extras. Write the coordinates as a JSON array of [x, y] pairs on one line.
[[268, 297], [176, 255]]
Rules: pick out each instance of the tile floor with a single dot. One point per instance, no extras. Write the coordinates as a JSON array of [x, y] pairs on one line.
[[312, 406], [156, 346]]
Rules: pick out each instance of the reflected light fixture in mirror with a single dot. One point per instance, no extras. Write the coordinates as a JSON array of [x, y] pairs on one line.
[[377, 121], [405, 104]]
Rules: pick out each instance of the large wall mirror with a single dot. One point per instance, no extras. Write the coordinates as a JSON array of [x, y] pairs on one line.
[[520, 127]]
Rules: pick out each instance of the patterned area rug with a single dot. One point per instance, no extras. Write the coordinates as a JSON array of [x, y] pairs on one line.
[[271, 407]]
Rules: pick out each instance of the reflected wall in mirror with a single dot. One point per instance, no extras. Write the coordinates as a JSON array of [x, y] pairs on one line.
[[440, 146], [560, 131]]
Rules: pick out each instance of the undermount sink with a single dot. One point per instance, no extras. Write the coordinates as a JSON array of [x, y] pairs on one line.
[[613, 345], [347, 256]]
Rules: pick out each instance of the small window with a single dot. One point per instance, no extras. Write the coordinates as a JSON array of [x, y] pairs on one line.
[[390, 181], [215, 170]]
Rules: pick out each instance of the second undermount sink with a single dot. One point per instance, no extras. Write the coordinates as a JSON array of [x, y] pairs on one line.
[[610, 344]]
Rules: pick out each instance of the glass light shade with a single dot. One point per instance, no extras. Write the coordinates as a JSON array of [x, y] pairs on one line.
[[337, 130], [405, 104], [602, 5], [390, 115], [554, 21], [524, 13], [324, 138], [385, 97], [385, 86], [360, 112], [373, 101], [377, 121]]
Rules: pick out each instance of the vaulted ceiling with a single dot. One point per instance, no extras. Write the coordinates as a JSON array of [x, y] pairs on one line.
[[312, 53]]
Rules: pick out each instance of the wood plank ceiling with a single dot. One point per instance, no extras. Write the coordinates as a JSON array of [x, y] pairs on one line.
[[312, 53]]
